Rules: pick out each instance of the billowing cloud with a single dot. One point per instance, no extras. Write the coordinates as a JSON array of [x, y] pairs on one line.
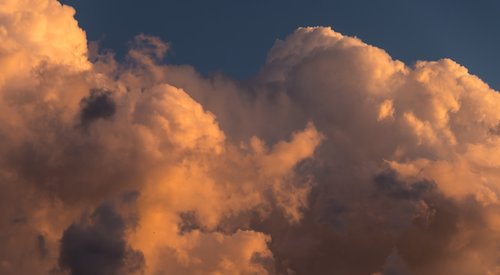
[[333, 159]]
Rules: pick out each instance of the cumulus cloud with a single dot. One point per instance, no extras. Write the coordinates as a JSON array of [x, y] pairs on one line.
[[333, 159]]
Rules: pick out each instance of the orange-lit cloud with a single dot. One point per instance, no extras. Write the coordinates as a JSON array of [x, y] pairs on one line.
[[334, 159]]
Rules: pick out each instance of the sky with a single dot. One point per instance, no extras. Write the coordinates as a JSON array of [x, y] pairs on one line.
[[233, 37], [250, 139]]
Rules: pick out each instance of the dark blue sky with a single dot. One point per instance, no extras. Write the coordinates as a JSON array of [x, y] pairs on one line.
[[235, 36]]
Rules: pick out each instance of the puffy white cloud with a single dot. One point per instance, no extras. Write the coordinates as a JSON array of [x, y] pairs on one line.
[[38, 32]]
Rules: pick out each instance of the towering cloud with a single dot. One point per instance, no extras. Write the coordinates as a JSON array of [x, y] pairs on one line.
[[333, 159]]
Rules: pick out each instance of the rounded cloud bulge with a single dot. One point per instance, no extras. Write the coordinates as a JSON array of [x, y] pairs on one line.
[[333, 159]]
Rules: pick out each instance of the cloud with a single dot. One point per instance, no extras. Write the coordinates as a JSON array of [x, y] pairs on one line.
[[97, 105], [334, 158], [99, 248]]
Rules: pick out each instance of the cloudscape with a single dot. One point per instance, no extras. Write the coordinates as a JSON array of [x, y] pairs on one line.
[[334, 158]]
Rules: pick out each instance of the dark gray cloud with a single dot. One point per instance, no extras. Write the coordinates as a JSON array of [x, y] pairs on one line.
[[188, 222], [98, 247], [388, 184], [41, 246], [98, 105]]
